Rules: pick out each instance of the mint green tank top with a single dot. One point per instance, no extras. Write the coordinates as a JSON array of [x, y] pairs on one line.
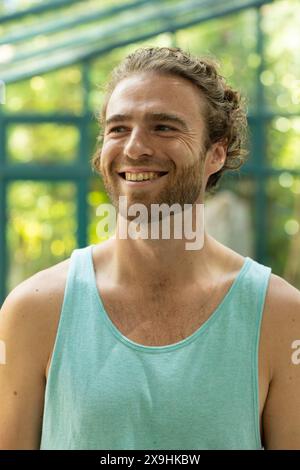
[[105, 391]]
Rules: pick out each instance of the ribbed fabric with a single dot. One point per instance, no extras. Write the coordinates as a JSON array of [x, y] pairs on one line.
[[105, 391]]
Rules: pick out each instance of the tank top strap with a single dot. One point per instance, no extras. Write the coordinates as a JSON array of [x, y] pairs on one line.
[[79, 278], [252, 289]]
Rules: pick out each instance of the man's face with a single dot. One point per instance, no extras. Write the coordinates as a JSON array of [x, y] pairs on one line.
[[154, 124]]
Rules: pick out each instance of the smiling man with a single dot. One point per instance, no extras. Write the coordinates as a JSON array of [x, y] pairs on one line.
[[140, 343]]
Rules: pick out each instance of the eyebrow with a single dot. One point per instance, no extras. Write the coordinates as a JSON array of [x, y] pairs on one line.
[[161, 117]]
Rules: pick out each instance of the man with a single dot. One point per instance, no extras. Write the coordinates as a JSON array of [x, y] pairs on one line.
[[141, 343]]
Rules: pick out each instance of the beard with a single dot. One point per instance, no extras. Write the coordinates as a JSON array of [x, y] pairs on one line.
[[180, 187]]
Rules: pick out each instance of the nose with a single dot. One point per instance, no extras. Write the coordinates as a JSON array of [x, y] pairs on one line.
[[138, 145]]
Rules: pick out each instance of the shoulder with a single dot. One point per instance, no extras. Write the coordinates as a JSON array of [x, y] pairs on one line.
[[44, 288], [281, 321], [282, 301], [281, 332], [28, 319], [30, 313]]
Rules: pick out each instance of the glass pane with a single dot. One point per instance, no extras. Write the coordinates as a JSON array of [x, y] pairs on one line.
[[41, 228], [281, 22], [283, 227], [232, 40], [96, 196], [283, 135], [229, 214], [58, 91], [94, 131], [42, 143]]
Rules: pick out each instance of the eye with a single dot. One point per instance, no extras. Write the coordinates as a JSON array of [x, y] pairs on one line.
[[159, 127], [116, 129], [168, 128]]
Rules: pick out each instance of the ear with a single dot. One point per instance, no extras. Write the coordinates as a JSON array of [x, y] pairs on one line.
[[215, 158]]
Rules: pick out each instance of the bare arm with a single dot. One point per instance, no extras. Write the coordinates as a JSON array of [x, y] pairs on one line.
[[23, 333], [281, 416]]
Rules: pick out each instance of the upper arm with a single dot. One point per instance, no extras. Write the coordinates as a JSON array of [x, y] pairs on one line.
[[281, 415], [22, 379]]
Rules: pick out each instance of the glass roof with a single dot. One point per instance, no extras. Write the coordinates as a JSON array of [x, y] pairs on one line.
[[47, 35]]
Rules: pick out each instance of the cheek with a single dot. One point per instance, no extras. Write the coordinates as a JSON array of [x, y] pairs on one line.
[[184, 150], [110, 146], [110, 150]]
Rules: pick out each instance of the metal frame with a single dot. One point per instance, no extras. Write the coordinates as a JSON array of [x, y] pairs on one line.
[[74, 50], [41, 8], [80, 172]]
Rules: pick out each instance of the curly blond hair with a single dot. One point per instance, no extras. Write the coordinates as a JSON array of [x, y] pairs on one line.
[[225, 110]]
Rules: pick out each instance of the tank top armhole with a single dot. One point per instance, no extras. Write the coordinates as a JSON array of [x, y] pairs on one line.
[[262, 286]]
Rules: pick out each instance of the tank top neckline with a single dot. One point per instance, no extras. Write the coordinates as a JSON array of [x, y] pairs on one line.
[[169, 347]]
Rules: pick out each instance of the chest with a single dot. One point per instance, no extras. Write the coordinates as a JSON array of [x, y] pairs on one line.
[[153, 321]]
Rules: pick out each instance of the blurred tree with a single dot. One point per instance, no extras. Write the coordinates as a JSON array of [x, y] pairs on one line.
[[42, 215]]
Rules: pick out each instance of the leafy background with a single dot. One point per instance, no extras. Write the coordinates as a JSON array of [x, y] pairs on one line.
[[42, 216]]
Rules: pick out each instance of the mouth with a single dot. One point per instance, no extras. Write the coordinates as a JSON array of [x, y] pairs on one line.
[[142, 178]]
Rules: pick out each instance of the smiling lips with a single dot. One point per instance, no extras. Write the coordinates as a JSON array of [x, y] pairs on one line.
[[142, 175]]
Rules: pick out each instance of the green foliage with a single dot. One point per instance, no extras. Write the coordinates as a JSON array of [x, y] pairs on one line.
[[60, 143], [59, 91], [42, 217], [41, 226]]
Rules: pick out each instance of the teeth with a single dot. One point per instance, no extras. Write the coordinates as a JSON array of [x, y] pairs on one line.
[[150, 175]]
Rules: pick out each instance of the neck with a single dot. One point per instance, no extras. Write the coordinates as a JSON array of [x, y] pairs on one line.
[[162, 262]]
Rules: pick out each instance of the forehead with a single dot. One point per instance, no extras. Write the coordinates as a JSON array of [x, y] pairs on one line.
[[150, 91]]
